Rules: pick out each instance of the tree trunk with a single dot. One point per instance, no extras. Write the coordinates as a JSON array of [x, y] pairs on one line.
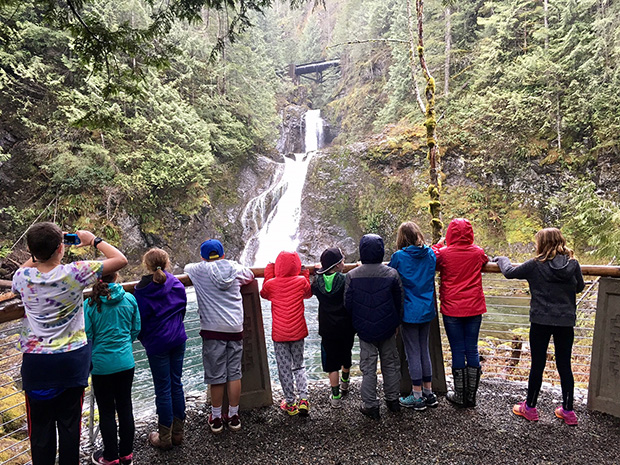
[[412, 59], [546, 19], [448, 51], [558, 122], [434, 187]]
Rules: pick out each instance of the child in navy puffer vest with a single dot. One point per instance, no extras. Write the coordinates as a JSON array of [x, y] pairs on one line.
[[374, 297]]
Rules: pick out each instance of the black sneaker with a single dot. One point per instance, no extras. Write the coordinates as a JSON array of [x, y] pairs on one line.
[[393, 405], [372, 412], [430, 400]]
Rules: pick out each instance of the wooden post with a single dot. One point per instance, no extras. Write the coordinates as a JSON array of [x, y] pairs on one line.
[[603, 393]]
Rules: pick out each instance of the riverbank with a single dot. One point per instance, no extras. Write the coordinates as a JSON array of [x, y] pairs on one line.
[[489, 434]]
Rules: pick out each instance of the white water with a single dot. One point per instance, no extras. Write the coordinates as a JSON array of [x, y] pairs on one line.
[[279, 231]]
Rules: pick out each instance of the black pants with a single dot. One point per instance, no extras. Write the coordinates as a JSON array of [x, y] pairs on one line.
[[44, 416], [563, 337], [113, 394]]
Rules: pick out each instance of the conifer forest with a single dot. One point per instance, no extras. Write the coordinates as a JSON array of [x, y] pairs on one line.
[[149, 123]]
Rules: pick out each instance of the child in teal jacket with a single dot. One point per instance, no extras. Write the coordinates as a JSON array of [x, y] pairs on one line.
[[112, 324]]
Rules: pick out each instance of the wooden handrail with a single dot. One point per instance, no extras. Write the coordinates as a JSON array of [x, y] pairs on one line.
[[11, 307]]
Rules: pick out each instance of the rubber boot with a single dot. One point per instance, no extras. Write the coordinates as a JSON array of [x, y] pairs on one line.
[[473, 381], [178, 426], [458, 396], [162, 439]]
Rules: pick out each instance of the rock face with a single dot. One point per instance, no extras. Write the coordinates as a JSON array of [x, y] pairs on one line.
[[375, 185], [292, 130], [182, 234], [329, 210], [608, 171]]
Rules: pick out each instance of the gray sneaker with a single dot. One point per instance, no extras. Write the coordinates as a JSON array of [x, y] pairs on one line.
[[344, 387], [336, 402]]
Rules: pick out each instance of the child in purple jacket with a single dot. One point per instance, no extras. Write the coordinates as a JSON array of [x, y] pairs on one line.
[[162, 300]]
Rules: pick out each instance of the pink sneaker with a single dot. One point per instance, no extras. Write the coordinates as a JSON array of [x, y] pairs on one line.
[[568, 416], [530, 414]]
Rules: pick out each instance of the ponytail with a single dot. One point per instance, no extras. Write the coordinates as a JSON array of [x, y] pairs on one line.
[[101, 289], [156, 261], [159, 276]]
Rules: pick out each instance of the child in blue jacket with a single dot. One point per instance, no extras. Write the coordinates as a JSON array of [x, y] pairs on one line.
[[415, 263], [112, 324]]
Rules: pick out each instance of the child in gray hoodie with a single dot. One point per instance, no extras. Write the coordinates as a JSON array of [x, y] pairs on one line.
[[218, 282], [554, 277]]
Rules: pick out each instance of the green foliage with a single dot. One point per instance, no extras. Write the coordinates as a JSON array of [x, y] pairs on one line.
[[143, 150], [589, 218], [105, 34]]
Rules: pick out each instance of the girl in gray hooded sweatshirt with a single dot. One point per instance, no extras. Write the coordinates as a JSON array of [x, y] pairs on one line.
[[554, 277]]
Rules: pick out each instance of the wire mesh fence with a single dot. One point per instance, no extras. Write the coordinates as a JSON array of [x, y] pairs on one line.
[[503, 344]]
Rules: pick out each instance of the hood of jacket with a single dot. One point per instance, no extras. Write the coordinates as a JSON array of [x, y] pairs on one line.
[[117, 293], [560, 268], [416, 251], [460, 232], [337, 284], [287, 264], [223, 273], [371, 249]]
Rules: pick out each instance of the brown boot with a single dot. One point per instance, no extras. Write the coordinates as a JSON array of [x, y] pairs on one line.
[[177, 431], [163, 438]]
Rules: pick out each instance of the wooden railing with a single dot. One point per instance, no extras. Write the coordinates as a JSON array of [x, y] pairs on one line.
[[12, 309]]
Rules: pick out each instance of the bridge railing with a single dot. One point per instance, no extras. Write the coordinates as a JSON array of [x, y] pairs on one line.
[[503, 346]]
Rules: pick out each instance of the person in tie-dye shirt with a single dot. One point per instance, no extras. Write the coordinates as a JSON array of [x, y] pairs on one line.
[[56, 358]]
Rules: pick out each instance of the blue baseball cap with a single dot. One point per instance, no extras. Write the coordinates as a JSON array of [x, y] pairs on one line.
[[211, 249]]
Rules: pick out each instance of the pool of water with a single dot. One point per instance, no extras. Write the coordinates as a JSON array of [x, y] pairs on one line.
[[192, 367]]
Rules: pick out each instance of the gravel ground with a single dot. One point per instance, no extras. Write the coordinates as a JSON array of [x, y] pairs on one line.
[[488, 434]]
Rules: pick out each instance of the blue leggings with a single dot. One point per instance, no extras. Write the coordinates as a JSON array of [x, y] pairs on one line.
[[463, 337]]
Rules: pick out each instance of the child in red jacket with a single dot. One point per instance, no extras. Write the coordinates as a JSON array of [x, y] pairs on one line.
[[286, 285], [460, 262]]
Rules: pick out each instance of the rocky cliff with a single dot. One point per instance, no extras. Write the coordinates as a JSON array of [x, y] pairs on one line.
[[373, 186]]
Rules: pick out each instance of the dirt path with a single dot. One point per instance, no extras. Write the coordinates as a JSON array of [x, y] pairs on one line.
[[489, 434]]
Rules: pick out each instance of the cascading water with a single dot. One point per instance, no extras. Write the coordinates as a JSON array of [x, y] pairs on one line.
[[279, 231]]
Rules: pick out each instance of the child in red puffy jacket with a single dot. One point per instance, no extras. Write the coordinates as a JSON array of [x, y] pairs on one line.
[[459, 263], [286, 285]]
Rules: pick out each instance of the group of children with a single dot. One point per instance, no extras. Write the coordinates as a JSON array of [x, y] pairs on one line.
[[372, 300]]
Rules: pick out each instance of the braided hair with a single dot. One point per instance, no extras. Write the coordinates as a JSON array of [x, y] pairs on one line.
[[101, 289]]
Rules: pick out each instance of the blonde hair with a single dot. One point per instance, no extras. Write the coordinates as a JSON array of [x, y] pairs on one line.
[[549, 243], [408, 234], [156, 260]]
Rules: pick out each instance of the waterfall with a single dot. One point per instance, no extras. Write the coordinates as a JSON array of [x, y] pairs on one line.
[[281, 203]]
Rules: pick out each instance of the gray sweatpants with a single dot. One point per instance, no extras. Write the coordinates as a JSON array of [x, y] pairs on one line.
[[390, 368], [290, 360]]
